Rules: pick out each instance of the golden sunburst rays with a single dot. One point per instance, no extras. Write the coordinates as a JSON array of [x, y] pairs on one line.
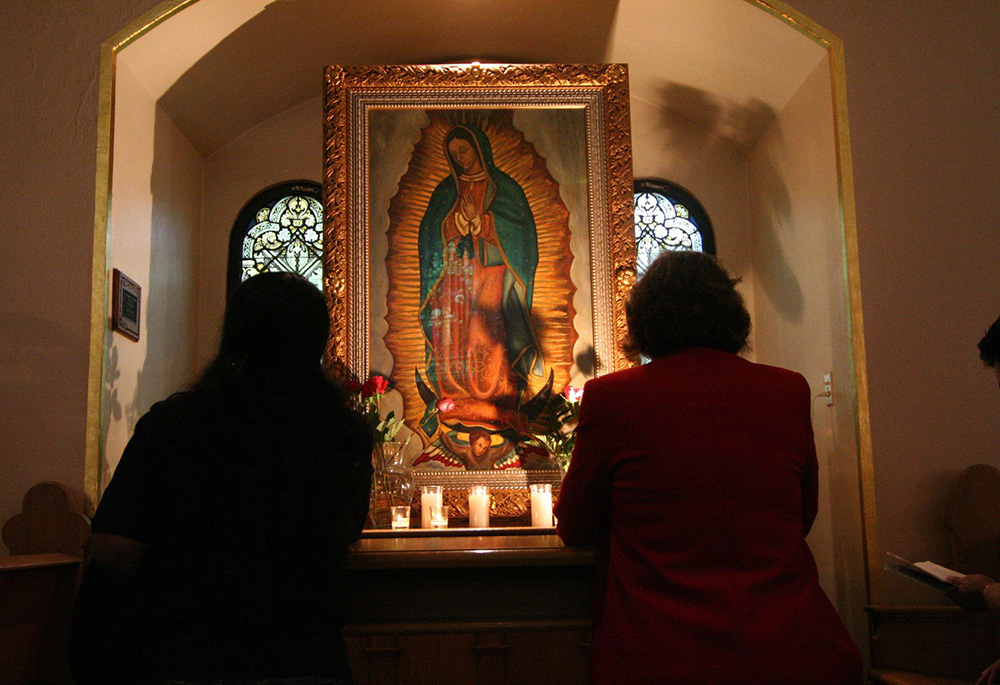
[[552, 302]]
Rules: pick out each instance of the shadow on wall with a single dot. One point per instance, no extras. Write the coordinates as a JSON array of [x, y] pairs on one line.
[[698, 122], [771, 218], [699, 119], [222, 95], [169, 297], [112, 409]]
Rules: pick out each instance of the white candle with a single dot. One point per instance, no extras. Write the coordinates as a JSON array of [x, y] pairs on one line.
[[479, 506], [432, 496], [541, 505]]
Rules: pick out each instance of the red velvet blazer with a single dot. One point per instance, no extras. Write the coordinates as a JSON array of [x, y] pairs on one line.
[[695, 477]]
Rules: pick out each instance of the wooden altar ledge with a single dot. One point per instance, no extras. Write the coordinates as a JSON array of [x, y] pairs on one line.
[[459, 547], [461, 606]]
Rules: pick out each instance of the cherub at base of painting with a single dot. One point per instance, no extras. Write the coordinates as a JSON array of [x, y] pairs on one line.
[[479, 435]]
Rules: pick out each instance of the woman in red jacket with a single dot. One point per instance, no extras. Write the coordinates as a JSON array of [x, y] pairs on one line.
[[695, 477]]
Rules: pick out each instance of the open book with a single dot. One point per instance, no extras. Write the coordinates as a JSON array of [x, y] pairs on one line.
[[927, 572]]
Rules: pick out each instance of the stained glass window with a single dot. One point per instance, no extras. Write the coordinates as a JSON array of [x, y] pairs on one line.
[[280, 229], [667, 217]]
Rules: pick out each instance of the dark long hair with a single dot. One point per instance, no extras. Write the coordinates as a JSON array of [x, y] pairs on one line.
[[266, 405], [274, 332], [685, 299]]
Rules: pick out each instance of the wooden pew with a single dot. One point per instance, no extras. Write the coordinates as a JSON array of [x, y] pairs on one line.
[[38, 584], [944, 645], [36, 599]]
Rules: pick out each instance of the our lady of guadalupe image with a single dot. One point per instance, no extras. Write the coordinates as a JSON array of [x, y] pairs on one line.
[[484, 371]]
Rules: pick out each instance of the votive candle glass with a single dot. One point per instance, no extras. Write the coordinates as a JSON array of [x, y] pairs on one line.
[[401, 517], [439, 516]]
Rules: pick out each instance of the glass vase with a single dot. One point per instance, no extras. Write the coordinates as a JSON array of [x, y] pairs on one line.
[[392, 482]]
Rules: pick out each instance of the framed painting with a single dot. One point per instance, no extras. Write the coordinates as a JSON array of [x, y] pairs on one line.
[[479, 245], [126, 305]]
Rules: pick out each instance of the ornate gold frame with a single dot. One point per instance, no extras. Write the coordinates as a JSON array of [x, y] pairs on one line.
[[352, 92]]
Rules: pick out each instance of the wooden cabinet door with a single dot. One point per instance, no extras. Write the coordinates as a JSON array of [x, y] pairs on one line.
[[509, 654]]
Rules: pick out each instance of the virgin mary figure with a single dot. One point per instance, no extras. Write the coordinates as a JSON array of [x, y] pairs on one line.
[[478, 255]]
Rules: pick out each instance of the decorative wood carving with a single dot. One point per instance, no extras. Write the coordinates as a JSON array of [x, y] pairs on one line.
[[50, 521]]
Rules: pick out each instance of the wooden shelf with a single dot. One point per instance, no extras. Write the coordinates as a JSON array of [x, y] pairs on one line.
[[464, 548], [457, 531]]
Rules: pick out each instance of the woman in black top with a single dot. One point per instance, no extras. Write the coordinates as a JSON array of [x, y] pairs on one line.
[[218, 544]]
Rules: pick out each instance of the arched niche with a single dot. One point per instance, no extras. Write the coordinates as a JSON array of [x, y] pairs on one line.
[[741, 101]]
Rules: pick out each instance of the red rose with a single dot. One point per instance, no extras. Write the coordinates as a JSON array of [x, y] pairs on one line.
[[376, 385], [446, 404], [572, 394], [353, 386]]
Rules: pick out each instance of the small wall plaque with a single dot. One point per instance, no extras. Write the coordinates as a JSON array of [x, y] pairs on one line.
[[126, 303]]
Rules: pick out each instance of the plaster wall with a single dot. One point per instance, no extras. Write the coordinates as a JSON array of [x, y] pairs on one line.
[[47, 162], [710, 167], [923, 92], [802, 318], [286, 147], [155, 216]]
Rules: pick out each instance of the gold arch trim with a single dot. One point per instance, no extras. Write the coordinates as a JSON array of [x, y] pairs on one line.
[[849, 233], [100, 269]]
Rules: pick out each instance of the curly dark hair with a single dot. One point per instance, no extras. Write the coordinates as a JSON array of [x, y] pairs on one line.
[[989, 346], [685, 299]]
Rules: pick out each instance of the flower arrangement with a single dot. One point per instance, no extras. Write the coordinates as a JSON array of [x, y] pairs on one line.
[[392, 484], [366, 400], [553, 430], [555, 427]]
